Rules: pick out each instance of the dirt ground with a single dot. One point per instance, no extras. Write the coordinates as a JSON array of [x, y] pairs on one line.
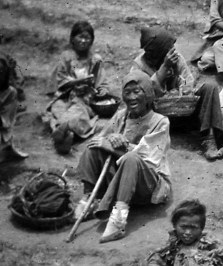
[[35, 33]]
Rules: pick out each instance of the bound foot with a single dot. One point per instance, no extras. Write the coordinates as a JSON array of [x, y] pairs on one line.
[[115, 228]]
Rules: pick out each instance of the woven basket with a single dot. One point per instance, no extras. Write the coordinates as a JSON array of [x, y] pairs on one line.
[[42, 223], [176, 106], [105, 110]]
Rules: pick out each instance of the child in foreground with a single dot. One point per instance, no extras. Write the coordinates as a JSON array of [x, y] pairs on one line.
[[188, 245]]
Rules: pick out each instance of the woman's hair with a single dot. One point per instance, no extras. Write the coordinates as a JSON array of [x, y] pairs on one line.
[[81, 26], [189, 208]]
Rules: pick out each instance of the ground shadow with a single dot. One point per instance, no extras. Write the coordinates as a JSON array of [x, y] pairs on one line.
[[184, 133], [141, 215]]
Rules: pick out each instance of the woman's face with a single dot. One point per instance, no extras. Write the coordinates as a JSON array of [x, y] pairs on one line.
[[82, 42], [189, 229], [3, 73], [135, 100]]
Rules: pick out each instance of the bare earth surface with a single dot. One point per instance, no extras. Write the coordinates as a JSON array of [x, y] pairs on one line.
[[35, 32]]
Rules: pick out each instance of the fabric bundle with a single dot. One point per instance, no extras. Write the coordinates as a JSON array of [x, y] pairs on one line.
[[41, 199]]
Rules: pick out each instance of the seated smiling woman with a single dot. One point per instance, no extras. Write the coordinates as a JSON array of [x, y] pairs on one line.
[[138, 140]]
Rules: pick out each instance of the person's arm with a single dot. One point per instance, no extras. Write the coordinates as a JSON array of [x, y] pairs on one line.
[[67, 80], [185, 77], [154, 145], [162, 73], [63, 73], [104, 144]]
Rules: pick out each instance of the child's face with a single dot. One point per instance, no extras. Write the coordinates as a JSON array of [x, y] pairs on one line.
[[189, 229]]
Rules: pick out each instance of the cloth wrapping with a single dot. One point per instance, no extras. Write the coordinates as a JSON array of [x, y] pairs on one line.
[[42, 199], [206, 251]]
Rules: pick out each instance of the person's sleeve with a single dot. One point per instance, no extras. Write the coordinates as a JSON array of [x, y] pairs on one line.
[[153, 147], [63, 71], [100, 77], [185, 77], [159, 88]]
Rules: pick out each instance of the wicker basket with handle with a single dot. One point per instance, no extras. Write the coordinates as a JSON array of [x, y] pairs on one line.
[[176, 106], [24, 217]]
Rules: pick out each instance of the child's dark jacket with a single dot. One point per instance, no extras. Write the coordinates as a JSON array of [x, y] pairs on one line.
[[205, 252]]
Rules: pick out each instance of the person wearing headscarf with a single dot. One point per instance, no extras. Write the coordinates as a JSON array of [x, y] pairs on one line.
[[168, 69], [78, 76], [8, 107], [138, 140], [210, 54]]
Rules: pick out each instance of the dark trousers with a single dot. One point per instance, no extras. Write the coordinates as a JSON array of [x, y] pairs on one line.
[[132, 181], [208, 108]]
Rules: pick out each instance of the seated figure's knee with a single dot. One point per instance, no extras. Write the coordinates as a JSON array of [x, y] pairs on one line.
[[209, 87], [130, 157]]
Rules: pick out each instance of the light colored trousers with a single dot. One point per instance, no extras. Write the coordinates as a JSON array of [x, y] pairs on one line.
[[212, 57]]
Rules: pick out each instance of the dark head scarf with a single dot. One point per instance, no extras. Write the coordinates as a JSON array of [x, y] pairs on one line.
[[143, 81], [156, 42]]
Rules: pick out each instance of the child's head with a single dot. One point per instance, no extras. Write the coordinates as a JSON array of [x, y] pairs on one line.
[[82, 36], [188, 220]]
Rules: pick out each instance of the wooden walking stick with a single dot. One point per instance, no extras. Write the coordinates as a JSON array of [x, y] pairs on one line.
[[95, 190], [90, 200]]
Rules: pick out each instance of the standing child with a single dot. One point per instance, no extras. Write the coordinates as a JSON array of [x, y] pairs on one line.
[[187, 244]]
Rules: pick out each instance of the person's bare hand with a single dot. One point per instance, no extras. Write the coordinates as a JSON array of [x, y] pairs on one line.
[[100, 142], [101, 92], [118, 141], [171, 58]]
